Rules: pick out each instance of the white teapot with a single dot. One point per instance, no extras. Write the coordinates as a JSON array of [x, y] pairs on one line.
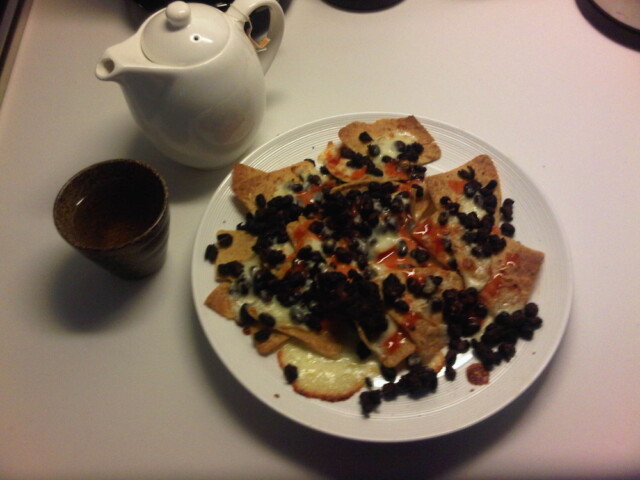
[[194, 79]]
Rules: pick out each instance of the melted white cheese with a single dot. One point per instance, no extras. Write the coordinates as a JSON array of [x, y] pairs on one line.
[[387, 144], [325, 376]]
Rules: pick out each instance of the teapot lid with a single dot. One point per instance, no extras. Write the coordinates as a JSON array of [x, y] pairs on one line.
[[184, 34]]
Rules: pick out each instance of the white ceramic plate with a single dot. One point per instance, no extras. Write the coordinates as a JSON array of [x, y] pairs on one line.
[[456, 404]]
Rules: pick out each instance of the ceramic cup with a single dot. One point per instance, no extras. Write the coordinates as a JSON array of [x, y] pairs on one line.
[[116, 214]]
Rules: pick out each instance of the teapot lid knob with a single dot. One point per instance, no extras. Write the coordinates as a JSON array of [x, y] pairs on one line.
[[178, 14]]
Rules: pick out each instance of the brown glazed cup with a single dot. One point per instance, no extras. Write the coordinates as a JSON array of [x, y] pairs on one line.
[[116, 214]]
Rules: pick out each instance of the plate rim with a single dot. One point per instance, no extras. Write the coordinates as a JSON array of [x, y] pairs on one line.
[[254, 156]]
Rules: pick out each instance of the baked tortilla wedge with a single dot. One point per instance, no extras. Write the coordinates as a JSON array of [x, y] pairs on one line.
[[513, 275], [387, 149], [269, 184]]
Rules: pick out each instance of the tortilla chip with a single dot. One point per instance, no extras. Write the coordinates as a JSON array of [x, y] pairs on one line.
[[425, 328], [274, 342], [450, 184], [428, 334], [445, 241], [419, 196], [391, 348], [242, 172], [219, 300], [322, 342], [240, 249], [514, 272], [389, 128], [299, 233], [250, 185], [344, 188], [383, 133], [435, 238]]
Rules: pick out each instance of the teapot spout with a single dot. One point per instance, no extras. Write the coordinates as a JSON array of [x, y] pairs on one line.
[[120, 60], [107, 69]]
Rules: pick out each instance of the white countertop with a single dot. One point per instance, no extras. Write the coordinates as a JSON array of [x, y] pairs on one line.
[[106, 379]]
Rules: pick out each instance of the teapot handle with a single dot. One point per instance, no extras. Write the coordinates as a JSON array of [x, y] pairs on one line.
[[241, 9]]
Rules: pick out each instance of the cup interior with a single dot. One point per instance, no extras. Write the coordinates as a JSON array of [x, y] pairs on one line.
[[110, 204]]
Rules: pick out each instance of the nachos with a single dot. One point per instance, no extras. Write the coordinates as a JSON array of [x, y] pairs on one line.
[[358, 264]]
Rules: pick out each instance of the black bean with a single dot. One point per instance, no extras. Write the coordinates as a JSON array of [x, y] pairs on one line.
[[290, 373], [507, 351], [473, 222], [356, 162], [450, 373], [262, 335], [346, 152], [470, 237], [450, 357], [231, 269], [245, 318], [419, 190], [369, 400], [534, 322], [273, 257], [531, 309], [402, 248], [373, 150], [416, 172], [467, 174], [295, 279], [211, 253], [401, 306], [506, 210], [364, 137], [304, 253], [419, 255], [459, 345], [390, 391], [490, 203], [481, 310], [316, 227], [503, 318], [314, 179], [526, 332], [343, 255], [453, 208], [446, 244], [392, 287], [261, 202], [224, 240], [267, 319], [507, 229], [328, 246], [470, 188], [388, 373], [414, 286]]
